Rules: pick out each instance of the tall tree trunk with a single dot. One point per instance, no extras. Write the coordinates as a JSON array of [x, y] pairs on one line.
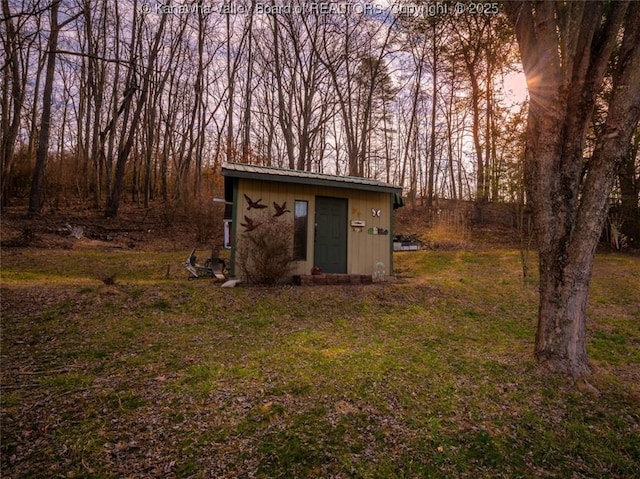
[[14, 80], [33, 134], [231, 72], [284, 109], [434, 96], [37, 182], [95, 98], [124, 149], [472, 32], [489, 159], [475, 104], [565, 56], [246, 122], [450, 138]]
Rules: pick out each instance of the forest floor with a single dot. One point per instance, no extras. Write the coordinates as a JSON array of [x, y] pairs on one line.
[[150, 375], [157, 228], [168, 228]]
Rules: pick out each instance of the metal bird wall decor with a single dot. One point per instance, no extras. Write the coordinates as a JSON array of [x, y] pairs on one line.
[[250, 224], [280, 210], [254, 204]]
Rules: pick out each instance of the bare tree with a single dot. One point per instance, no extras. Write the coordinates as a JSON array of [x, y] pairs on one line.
[[127, 138], [233, 66], [419, 51], [435, 48], [285, 101], [37, 183], [353, 51], [18, 45]]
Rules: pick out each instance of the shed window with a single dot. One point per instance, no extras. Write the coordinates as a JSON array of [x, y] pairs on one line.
[[300, 215]]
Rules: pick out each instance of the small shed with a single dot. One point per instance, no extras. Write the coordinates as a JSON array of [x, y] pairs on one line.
[[337, 224]]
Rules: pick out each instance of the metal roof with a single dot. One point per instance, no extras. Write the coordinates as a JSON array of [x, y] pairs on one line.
[[284, 175]]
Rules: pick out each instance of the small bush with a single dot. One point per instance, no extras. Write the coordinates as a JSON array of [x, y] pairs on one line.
[[265, 253]]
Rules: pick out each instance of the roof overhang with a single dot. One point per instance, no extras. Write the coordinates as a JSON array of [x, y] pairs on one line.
[[283, 175]]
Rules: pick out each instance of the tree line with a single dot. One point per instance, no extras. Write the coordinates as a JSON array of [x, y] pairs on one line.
[[102, 99]]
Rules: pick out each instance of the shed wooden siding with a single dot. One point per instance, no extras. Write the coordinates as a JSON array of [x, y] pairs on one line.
[[364, 250]]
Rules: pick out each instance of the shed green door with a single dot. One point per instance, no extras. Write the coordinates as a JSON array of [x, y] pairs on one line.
[[330, 250]]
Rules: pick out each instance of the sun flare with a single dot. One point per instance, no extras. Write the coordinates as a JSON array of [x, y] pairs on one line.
[[516, 87]]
